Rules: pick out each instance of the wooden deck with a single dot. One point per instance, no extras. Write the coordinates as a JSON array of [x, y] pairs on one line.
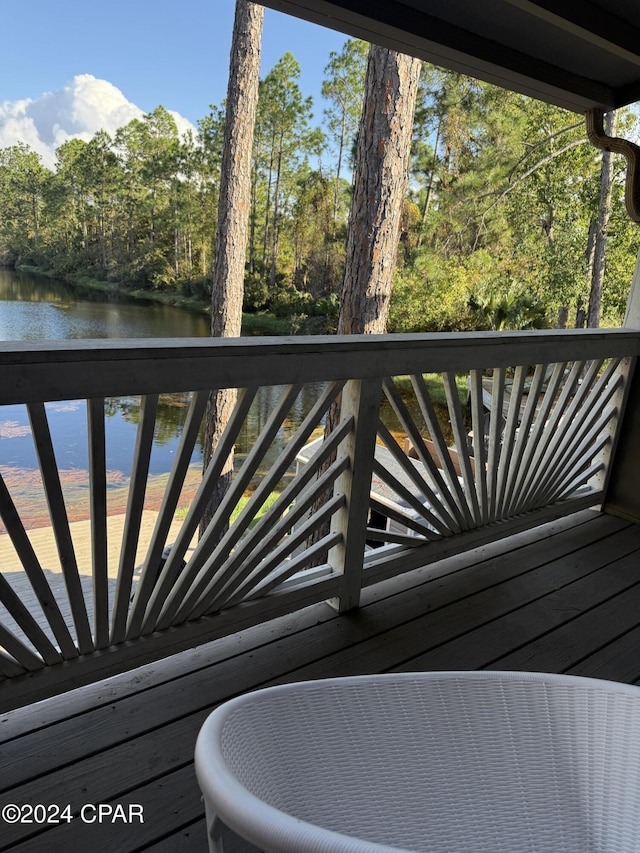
[[562, 598]]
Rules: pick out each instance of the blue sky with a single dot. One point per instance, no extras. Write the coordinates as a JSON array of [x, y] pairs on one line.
[[71, 68], [155, 52]]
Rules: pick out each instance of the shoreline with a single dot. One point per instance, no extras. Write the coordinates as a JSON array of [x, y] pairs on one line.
[[259, 323]]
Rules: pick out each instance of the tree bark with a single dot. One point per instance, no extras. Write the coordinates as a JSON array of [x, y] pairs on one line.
[[602, 227], [233, 218], [379, 189], [380, 179]]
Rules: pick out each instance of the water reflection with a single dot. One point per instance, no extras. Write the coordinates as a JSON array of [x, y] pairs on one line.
[[35, 308]]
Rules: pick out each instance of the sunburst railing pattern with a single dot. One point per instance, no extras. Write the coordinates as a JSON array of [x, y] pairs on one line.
[[542, 443], [438, 443]]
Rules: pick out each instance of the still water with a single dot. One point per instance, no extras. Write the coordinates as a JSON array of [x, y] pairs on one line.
[[37, 308]]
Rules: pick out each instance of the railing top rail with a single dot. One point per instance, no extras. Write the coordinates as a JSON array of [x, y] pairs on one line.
[[59, 370]]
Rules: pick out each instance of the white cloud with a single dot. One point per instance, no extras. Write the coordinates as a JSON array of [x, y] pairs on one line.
[[83, 107]]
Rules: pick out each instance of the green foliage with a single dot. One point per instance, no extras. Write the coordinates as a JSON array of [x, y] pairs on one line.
[[495, 231], [514, 308], [264, 324], [256, 292]]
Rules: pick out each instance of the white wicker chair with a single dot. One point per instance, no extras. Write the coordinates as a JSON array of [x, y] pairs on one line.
[[468, 761]]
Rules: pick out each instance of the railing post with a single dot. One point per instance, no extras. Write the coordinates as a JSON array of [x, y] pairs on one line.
[[360, 400]]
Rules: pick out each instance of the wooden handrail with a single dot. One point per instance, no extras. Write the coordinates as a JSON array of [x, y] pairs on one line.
[[63, 370]]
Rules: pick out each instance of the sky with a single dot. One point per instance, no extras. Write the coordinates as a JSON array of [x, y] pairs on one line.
[[69, 68]]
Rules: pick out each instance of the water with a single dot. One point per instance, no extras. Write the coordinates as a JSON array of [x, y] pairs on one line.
[[37, 308]]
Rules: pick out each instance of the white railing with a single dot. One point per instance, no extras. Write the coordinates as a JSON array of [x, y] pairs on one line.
[[544, 450]]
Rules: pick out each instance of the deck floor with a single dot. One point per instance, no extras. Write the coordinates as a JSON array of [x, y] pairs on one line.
[[562, 598]]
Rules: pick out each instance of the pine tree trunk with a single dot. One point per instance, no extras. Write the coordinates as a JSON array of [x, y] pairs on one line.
[[602, 226], [379, 189], [233, 217]]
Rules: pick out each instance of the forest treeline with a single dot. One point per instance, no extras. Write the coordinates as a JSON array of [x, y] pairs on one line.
[[498, 226]]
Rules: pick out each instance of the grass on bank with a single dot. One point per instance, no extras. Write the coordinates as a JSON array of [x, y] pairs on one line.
[[259, 323]]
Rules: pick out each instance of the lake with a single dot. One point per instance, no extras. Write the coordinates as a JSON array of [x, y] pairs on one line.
[[38, 308]]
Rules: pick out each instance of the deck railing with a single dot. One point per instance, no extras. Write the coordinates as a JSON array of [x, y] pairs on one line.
[[309, 516]]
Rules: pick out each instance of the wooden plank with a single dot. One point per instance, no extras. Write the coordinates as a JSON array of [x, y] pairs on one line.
[[98, 510], [565, 418], [591, 414], [617, 660], [286, 570], [578, 468], [554, 405], [113, 772], [480, 456], [620, 401], [135, 506], [34, 572], [438, 494], [443, 507], [601, 621], [277, 522], [390, 562], [436, 619], [20, 653], [509, 436], [194, 580], [173, 571], [135, 362], [107, 692], [273, 655], [418, 525], [229, 552], [84, 369], [47, 682], [409, 497], [278, 655], [8, 667], [490, 644], [532, 428], [192, 838], [470, 503], [25, 621], [183, 457], [41, 715], [360, 401], [523, 442], [60, 523], [160, 800], [241, 568], [444, 453], [274, 559], [135, 765], [495, 440]]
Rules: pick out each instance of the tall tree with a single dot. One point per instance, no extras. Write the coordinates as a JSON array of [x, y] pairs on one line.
[[379, 190], [233, 215], [601, 226], [22, 180], [286, 139], [380, 178], [343, 88]]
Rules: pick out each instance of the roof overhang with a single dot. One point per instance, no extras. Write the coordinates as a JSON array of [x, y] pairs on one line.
[[578, 54]]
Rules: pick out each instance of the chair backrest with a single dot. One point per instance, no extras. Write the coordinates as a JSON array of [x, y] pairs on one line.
[[438, 761]]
